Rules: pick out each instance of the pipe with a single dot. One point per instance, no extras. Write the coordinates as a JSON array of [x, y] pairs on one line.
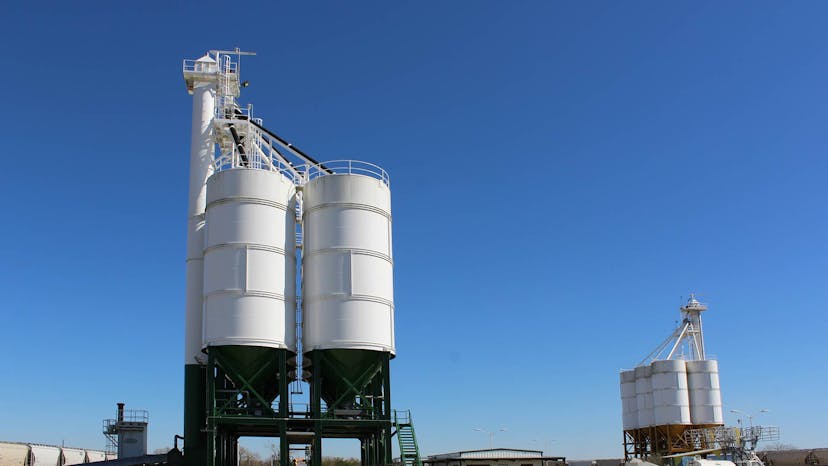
[[120, 412], [296, 151], [239, 145]]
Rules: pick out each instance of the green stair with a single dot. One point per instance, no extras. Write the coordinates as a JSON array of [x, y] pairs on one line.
[[409, 451]]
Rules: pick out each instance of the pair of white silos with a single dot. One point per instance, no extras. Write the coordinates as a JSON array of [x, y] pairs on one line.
[[250, 261], [671, 392]]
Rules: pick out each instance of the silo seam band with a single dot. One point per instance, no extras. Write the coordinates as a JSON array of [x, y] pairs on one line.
[[364, 252], [350, 205], [256, 247], [240, 292], [247, 200], [351, 297]]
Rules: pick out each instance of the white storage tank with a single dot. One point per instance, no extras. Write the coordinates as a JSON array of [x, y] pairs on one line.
[[43, 455], [93, 456], [14, 454], [348, 294], [73, 456], [671, 401], [629, 407], [705, 394], [644, 396], [249, 260]]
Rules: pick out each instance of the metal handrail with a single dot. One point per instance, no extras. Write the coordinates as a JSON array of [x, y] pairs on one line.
[[341, 167]]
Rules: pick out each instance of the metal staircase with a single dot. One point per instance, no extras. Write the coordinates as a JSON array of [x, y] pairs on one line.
[[409, 450]]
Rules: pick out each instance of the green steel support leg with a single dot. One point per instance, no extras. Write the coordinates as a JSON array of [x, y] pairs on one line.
[[284, 404], [195, 405], [211, 405], [316, 411], [386, 415]]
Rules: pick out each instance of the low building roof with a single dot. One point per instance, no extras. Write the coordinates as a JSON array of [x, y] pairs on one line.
[[492, 454]]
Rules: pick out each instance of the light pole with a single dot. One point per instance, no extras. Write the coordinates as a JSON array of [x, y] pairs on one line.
[[752, 434], [491, 434], [749, 416]]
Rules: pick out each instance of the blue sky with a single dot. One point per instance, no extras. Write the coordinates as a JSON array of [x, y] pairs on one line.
[[563, 173]]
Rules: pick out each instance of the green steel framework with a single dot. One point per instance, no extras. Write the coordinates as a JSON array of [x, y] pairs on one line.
[[223, 403]]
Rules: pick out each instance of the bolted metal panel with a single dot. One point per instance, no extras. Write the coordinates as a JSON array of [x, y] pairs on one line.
[[629, 406], [249, 260], [347, 264], [644, 396], [705, 394], [671, 402]]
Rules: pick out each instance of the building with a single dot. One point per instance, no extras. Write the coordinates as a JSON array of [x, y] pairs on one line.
[[495, 457]]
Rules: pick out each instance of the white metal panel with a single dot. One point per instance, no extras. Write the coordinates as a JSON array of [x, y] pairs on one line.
[[671, 402], [629, 406], [705, 394], [111, 456], [73, 456], [249, 260], [348, 264], [13, 454], [644, 396], [43, 455], [93, 456]]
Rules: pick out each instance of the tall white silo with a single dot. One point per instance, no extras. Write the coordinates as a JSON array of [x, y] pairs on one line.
[[629, 406], [249, 270], [671, 402], [644, 396], [201, 78], [705, 394], [348, 293]]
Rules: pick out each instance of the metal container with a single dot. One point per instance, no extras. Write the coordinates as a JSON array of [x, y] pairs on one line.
[[644, 396], [93, 456], [43, 455], [73, 456], [250, 270], [14, 454], [249, 260], [348, 292], [629, 407], [671, 402], [705, 395]]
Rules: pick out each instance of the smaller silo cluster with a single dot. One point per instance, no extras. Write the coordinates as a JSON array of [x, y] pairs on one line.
[[671, 392], [675, 389]]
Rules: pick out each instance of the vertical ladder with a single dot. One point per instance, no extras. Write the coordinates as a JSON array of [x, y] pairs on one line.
[[409, 450]]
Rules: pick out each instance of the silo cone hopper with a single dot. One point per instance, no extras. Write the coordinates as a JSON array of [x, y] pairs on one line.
[[347, 373], [254, 370]]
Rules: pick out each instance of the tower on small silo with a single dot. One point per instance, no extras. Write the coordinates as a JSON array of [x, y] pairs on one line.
[[676, 391]]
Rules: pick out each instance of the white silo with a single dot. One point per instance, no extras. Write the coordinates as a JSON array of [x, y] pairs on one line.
[[644, 396], [671, 402], [705, 394], [629, 406], [250, 268], [348, 267], [348, 293]]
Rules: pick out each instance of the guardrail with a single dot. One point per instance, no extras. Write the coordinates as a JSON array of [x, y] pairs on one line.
[[350, 167]]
